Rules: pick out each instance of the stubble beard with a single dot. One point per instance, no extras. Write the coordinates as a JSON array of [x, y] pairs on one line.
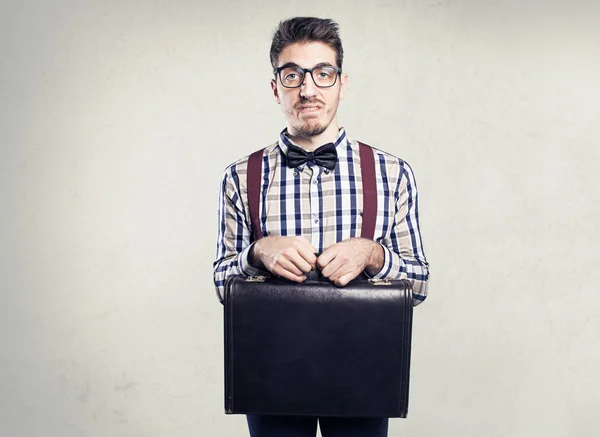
[[314, 127], [310, 130]]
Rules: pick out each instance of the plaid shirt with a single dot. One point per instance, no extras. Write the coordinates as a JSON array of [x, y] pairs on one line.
[[325, 207]]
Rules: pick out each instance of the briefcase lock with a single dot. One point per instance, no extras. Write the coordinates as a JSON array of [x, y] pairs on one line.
[[375, 281], [256, 278]]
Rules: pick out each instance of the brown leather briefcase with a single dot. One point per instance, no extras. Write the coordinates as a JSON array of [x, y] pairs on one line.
[[315, 349]]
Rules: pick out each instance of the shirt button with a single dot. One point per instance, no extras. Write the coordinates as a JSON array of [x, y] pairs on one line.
[[295, 173], [315, 182], [316, 220]]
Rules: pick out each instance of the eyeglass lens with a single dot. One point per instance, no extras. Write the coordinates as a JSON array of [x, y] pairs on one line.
[[293, 77]]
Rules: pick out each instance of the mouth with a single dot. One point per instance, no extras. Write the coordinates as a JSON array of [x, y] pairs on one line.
[[308, 109]]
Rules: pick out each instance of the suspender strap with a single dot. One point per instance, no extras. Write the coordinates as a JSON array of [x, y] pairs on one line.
[[254, 185], [369, 188]]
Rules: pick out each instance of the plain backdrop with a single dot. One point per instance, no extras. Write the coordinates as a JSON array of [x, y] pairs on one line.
[[117, 119]]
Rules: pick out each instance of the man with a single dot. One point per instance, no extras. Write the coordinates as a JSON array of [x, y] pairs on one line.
[[311, 208]]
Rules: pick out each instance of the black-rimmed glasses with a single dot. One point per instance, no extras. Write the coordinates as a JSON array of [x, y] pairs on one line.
[[323, 76]]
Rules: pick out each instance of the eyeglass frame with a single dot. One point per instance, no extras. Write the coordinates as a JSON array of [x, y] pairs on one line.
[[277, 72]]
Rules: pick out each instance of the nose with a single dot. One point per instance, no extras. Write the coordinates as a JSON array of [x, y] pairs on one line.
[[308, 88]]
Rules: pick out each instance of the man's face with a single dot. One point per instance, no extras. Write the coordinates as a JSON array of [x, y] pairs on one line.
[[308, 109]]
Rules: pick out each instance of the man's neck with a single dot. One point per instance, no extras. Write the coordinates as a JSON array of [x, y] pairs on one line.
[[313, 142]]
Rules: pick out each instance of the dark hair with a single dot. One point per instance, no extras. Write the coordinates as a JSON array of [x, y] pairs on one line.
[[306, 29]]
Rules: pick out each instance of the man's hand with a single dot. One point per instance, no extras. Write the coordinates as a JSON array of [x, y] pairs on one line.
[[288, 257], [345, 260]]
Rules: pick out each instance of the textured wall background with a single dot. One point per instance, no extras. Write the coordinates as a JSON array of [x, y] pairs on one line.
[[118, 118]]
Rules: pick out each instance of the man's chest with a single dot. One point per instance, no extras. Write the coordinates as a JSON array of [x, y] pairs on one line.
[[324, 206]]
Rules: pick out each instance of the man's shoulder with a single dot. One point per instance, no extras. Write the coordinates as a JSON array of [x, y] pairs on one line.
[[241, 164], [389, 160]]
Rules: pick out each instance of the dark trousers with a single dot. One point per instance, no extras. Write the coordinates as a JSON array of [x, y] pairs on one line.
[[301, 426]]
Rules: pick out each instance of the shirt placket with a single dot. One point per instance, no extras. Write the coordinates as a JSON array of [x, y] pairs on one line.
[[314, 190]]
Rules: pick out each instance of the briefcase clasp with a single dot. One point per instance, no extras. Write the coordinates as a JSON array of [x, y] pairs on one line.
[[376, 281], [256, 278]]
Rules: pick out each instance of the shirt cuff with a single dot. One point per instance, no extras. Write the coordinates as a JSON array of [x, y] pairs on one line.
[[387, 262], [246, 267]]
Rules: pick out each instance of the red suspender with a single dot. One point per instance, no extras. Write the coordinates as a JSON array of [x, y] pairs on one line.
[[254, 185], [367, 168], [369, 186]]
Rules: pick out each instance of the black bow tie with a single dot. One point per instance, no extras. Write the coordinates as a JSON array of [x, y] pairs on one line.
[[325, 156]]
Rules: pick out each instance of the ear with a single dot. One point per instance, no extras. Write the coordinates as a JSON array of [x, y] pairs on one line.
[[343, 84], [275, 91]]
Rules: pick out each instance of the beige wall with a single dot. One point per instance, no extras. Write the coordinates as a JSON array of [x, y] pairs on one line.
[[118, 118]]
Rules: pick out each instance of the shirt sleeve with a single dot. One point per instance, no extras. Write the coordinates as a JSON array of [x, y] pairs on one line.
[[233, 236], [403, 250]]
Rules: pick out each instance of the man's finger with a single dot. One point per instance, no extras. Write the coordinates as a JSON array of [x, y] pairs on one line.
[[289, 266], [341, 264], [333, 269], [280, 271], [346, 278], [307, 252], [326, 257], [302, 264]]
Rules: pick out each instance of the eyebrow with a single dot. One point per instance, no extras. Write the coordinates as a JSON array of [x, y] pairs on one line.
[[294, 65]]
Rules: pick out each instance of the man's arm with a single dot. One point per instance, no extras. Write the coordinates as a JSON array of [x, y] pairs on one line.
[[403, 251], [288, 257], [400, 256], [233, 238]]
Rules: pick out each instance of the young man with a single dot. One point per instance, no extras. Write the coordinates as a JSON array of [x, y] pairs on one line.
[[311, 200]]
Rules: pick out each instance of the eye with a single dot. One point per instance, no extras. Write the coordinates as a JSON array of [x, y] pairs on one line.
[[325, 72], [291, 75]]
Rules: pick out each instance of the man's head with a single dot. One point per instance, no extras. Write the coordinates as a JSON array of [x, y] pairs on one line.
[[306, 55], [303, 30]]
